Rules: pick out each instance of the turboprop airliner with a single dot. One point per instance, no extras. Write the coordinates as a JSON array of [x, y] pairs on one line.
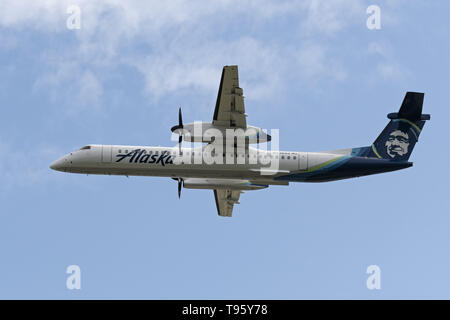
[[228, 161]]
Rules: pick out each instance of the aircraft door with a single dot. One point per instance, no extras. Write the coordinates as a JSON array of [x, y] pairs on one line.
[[106, 154], [302, 160]]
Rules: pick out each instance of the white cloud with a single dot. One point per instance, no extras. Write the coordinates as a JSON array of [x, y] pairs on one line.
[[82, 89], [390, 70], [315, 64], [198, 66], [183, 44], [90, 89], [387, 65], [329, 17]]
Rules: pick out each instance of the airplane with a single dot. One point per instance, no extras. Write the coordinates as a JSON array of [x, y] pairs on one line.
[[231, 165]]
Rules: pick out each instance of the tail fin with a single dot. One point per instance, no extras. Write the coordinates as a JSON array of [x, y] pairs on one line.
[[397, 140]]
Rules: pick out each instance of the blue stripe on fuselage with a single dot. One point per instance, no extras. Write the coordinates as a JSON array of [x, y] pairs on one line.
[[347, 167], [307, 176]]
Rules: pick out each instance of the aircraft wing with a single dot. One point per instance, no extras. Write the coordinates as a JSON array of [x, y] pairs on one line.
[[230, 110], [225, 200]]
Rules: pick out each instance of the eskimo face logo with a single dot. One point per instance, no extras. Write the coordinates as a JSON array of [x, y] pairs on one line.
[[397, 143]]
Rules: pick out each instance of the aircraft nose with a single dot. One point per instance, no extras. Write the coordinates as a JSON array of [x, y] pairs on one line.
[[58, 165]]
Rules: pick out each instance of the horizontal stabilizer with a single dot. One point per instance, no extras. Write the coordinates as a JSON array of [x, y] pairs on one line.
[[411, 108]]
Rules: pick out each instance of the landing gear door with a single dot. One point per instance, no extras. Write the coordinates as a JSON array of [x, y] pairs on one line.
[[303, 161], [106, 154]]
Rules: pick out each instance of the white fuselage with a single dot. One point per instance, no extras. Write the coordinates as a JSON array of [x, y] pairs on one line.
[[253, 164]]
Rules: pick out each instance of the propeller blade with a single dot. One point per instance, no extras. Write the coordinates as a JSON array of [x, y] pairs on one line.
[[180, 118], [180, 138], [180, 122], [180, 181]]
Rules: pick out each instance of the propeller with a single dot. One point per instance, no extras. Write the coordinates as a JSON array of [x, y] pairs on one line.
[[180, 185], [177, 127]]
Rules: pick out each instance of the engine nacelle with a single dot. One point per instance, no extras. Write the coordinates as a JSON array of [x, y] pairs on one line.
[[227, 184], [208, 132]]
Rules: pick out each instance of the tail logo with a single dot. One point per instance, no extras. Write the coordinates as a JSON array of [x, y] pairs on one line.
[[397, 143]]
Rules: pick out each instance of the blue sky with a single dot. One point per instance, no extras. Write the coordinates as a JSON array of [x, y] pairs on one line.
[[309, 68]]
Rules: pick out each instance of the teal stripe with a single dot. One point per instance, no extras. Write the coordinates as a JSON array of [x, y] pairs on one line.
[[375, 151]]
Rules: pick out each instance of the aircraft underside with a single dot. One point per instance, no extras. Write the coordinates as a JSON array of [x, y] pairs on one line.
[[251, 168]]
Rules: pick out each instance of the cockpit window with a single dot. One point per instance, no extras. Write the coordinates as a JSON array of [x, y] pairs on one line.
[[86, 148]]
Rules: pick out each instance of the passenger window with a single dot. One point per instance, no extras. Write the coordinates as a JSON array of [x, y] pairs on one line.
[[126, 151], [282, 157], [120, 151], [156, 152], [288, 157], [295, 158]]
